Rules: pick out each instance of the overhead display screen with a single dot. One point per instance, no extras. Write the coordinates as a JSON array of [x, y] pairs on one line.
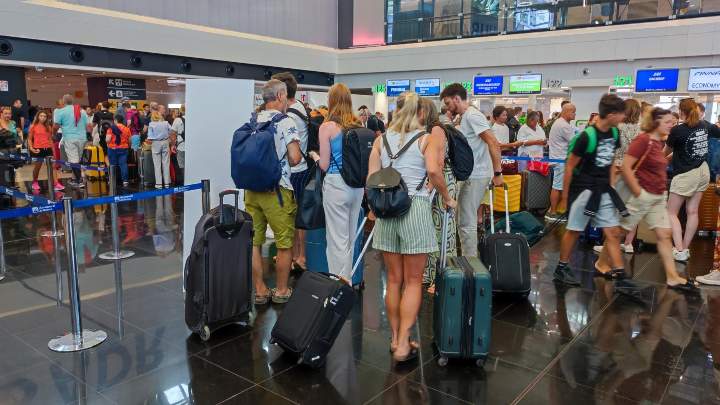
[[704, 79], [396, 87], [526, 84], [487, 85], [427, 87], [653, 80]]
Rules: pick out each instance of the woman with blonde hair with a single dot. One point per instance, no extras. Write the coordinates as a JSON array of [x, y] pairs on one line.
[[406, 240], [341, 202], [160, 136]]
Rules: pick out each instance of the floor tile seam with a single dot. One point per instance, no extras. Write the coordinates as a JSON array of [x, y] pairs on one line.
[[378, 368], [274, 392], [222, 368], [237, 394], [261, 382], [546, 370], [379, 394], [445, 394]]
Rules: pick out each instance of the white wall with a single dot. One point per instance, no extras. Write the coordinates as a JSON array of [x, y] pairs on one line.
[[207, 153], [74, 24], [310, 21]]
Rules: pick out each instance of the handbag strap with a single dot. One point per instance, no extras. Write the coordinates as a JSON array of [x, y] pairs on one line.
[[642, 158]]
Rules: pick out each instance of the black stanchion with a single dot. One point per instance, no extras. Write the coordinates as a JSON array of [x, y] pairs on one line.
[[78, 339], [117, 267], [3, 268], [116, 253]]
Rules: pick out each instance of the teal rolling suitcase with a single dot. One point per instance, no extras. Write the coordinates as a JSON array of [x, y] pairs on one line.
[[462, 308]]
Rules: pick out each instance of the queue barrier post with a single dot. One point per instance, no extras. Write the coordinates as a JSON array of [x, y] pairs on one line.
[[116, 253], [3, 268], [54, 232], [78, 339]]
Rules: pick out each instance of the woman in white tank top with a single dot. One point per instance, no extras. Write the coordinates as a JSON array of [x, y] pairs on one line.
[[406, 241]]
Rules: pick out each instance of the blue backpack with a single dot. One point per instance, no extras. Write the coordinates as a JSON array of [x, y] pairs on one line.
[[254, 164]]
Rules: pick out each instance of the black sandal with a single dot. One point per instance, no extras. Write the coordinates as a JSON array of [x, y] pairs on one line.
[[617, 274], [690, 286]]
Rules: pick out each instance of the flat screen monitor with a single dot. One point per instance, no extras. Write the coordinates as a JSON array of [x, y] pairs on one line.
[[427, 87], [704, 79], [487, 85], [526, 84], [394, 88], [655, 80]]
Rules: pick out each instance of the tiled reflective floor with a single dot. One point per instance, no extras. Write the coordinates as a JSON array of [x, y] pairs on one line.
[[576, 346]]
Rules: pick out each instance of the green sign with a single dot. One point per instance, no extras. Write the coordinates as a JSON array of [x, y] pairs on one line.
[[622, 81], [379, 88], [526, 84], [467, 85]]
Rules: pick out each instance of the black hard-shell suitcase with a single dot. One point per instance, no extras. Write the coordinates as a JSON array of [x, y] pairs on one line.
[[462, 310], [218, 272], [147, 167], [536, 191], [315, 314], [507, 256]]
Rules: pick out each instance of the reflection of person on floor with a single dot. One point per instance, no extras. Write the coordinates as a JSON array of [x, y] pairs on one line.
[[165, 226], [86, 242], [340, 369]]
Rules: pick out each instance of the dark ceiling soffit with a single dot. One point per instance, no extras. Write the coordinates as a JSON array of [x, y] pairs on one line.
[[40, 51]]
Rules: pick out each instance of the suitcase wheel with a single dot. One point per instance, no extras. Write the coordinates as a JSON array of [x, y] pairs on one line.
[[204, 333], [442, 361], [480, 362]]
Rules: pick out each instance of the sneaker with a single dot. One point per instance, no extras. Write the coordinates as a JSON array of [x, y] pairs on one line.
[[712, 278], [565, 276], [125, 184], [681, 255], [158, 187], [36, 185], [555, 218], [629, 249], [58, 186], [598, 248]]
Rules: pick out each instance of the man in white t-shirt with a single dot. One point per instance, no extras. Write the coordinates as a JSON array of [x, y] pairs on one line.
[[178, 126], [298, 174], [486, 151], [559, 138]]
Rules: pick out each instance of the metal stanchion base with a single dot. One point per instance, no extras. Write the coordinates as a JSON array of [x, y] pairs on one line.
[[123, 254], [72, 343], [51, 234]]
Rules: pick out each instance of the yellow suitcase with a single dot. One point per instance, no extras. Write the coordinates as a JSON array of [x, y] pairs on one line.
[[94, 156], [514, 183]]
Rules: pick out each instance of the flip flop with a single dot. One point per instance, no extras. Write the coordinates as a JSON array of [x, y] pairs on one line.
[[280, 299], [412, 355], [690, 286]]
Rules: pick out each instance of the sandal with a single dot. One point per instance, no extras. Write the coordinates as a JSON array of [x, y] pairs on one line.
[[412, 355], [297, 267], [690, 286], [617, 274], [280, 299], [263, 299]]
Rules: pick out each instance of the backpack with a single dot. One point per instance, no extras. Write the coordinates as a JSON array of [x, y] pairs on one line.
[[592, 141], [313, 128], [460, 154], [357, 144], [254, 163], [132, 121], [387, 193]]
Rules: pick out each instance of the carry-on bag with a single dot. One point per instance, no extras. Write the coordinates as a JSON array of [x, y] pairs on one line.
[[462, 314], [310, 211], [314, 316], [147, 168], [536, 190], [506, 255], [218, 272], [93, 156], [526, 224]]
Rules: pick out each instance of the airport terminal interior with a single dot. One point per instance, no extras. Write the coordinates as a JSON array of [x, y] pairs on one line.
[[112, 288]]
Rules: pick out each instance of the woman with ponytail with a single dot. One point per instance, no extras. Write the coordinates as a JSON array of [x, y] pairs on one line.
[[688, 143]]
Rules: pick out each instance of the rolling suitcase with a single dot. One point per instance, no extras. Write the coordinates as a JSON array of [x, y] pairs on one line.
[[462, 310], [147, 168], [218, 272], [507, 256], [536, 191], [314, 316], [93, 156]]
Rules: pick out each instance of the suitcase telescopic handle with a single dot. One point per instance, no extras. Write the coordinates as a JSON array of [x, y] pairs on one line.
[[491, 188], [236, 194], [443, 239]]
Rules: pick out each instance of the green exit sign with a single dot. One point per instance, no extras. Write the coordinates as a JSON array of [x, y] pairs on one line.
[[379, 88], [622, 81]]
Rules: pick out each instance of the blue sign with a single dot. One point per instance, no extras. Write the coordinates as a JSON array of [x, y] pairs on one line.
[[396, 87], [656, 80], [486, 85], [427, 87]]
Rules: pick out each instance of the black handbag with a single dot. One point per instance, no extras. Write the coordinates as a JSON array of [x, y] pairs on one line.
[[387, 193], [310, 211]]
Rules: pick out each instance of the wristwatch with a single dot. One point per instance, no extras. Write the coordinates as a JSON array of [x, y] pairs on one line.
[[497, 174]]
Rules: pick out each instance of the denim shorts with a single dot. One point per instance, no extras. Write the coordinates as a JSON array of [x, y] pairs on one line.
[[607, 215], [558, 171]]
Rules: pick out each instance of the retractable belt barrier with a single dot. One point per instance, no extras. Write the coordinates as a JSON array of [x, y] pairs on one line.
[[29, 158], [533, 159]]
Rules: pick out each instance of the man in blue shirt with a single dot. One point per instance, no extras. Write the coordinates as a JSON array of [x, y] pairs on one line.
[[73, 121]]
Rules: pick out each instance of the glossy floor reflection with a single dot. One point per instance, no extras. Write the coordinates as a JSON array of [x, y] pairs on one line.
[[590, 345]]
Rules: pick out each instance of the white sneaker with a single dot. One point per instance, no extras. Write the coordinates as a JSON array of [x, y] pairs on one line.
[[681, 255], [629, 249], [712, 278], [598, 248]]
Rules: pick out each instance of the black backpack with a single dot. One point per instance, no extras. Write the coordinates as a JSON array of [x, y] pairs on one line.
[[313, 128], [357, 144], [460, 155], [387, 193]]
